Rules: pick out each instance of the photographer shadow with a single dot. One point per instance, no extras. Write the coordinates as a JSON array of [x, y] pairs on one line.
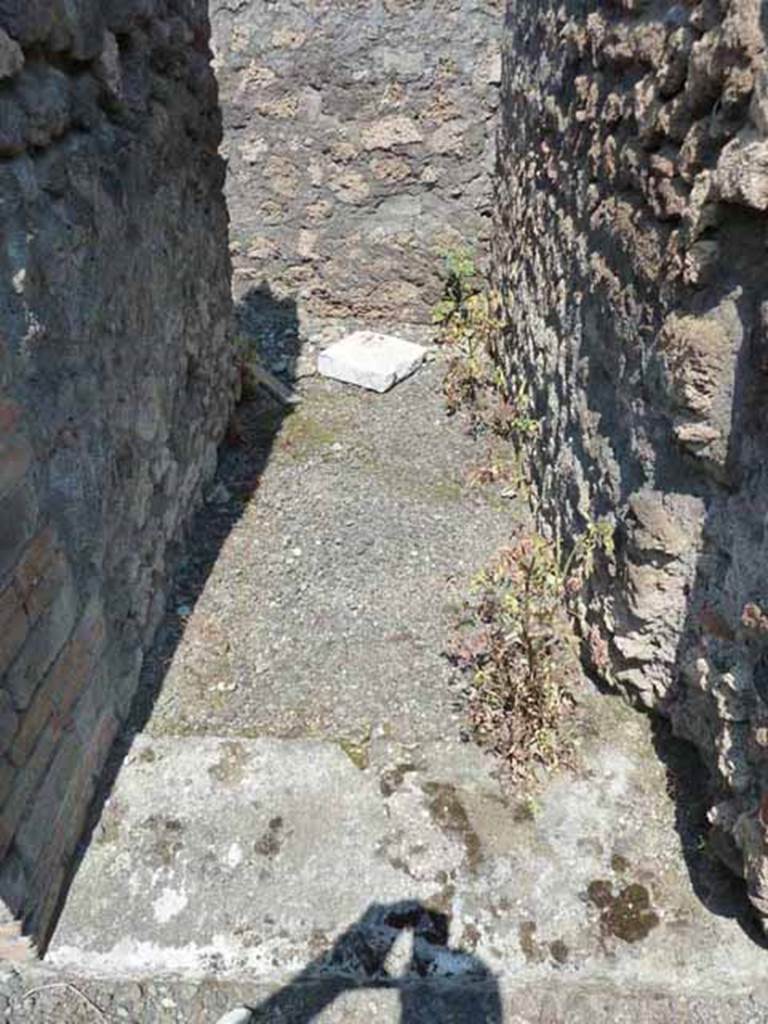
[[436, 982]]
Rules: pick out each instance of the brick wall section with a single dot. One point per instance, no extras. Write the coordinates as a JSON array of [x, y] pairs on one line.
[[116, 382], [630, 253], [360, 140]]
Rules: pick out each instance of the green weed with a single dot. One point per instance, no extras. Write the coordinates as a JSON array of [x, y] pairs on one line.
[[470, 330], [516, 643]]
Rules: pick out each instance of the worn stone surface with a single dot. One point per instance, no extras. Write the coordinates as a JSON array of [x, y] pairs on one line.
[[299, 825], [359, 138], [370, 360], [631, 263], [115, 386], [242, 874]]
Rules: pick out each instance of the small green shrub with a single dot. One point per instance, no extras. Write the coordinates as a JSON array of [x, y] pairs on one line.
[[469, 331], [516, 643], [461, 284]]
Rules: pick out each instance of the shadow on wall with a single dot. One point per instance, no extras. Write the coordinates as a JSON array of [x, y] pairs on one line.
[[720, 701], [435, 983], [717, 772], [720, 890], [266, 325]]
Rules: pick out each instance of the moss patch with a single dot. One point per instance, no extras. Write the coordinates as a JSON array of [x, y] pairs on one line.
[[627, 914], [357, 750], [304, 435], [449, 813]]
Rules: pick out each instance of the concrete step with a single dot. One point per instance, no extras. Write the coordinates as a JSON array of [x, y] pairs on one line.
[[263, 857], [270, 860]]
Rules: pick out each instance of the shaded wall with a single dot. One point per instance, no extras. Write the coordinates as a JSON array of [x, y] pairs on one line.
[[359, 137], [116, 383], [631, 256]]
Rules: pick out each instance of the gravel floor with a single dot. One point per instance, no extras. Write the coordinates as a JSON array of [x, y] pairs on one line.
[[328, 607]]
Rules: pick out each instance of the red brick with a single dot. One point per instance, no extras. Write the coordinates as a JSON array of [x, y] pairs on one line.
[[18, 522], [34, 563], [43, 916], [7, 830], [25, 784], [15, 460], [41, 572], [8, 774], [14, 626], [45, 640], [37, 715], [53, 826], [77, 661], [9, 721], [10, 417], [101, 743], [48, 836], [64, 683], [17, 949]]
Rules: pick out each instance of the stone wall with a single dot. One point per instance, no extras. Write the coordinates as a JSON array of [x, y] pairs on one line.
[[359, 137], [115, 386], [631, 258]]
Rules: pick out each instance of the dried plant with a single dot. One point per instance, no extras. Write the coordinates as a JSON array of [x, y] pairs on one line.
[[516, 642]]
